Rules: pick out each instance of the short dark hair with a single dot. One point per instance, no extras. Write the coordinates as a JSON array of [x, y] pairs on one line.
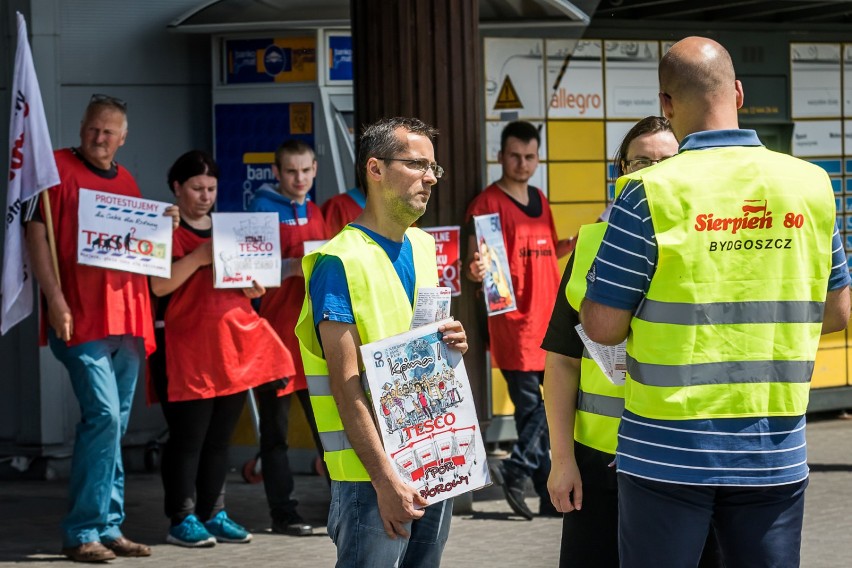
[[379, 139], [648, 125], [293, 147], [191, 164], [522, 130]]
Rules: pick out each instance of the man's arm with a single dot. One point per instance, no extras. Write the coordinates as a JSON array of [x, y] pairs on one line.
[[603, 324], [565, 246], [396, 499], [561, 384], [475, 267], [58, 312], [836, 315]]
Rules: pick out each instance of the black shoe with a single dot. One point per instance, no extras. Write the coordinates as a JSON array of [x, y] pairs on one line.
[[546, 509], [513, 490], [294, 526]]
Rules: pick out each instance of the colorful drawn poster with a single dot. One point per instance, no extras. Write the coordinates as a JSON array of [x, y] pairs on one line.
[[124, 233], [423, 402], [447, 256], [497, 284], [246, 248]]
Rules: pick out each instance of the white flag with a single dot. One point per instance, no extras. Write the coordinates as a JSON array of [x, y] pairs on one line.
[[32, 169]]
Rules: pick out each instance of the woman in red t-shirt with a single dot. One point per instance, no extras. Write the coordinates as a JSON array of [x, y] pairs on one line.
[[216, 348]]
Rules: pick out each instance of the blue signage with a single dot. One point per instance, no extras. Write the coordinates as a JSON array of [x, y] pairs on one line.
[[340, 58]]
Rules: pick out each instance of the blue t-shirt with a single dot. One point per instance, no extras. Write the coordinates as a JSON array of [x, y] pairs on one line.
[[329, 289], [267, 200], [720, 451]]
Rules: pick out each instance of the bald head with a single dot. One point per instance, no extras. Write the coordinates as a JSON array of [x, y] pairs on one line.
[[699, 88], [696, 67]]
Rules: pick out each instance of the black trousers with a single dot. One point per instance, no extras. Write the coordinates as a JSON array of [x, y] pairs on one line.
[[194, 463], [590, 535], [274, 424]]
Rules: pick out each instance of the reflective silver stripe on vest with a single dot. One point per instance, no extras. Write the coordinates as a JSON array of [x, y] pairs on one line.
[[730, 312], [335, 441], [728, 372], [600, 404], [318, 385]]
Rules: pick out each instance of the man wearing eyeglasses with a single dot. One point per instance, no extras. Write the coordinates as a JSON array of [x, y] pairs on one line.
[[532, 248], [99, 326], [361, 288]]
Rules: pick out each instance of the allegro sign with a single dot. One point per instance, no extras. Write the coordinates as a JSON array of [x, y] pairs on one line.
[[575, 101]]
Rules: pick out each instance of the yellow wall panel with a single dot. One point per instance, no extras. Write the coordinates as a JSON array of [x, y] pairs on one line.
[[576, 181], [837, 339], [575, 140], [830, 368]]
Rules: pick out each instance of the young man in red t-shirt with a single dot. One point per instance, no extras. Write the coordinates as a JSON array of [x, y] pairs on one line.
[[532, 248]]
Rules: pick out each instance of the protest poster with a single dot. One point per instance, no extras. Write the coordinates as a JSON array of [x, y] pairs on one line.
[[126, 233], [246, 248], [431, 305], [423, 402], [497, 284], [447, 256]]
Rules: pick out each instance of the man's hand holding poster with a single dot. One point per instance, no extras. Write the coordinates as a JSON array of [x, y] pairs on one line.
[[424, 407], [124, 233], [497, 284]]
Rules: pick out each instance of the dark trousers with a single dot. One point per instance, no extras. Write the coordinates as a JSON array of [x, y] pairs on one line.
[[590, 535], [666, 524], [278, 482], [194, 463], [531, 452]]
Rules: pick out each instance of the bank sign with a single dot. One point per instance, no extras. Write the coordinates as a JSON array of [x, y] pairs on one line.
[[246, 138]]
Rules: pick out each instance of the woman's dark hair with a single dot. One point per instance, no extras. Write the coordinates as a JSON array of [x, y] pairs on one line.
[[648, 125], [193, 163]]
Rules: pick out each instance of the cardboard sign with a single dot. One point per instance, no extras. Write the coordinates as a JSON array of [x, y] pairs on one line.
[[246, 248], [126, 233], [497, 284]]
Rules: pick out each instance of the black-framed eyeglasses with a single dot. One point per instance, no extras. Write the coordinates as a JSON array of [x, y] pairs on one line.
[[114, 101], [640, 163], [419, 164]]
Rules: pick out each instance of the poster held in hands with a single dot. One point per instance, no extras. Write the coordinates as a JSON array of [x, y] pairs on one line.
[[122, 232], [497, 284], [422, 399], [246, 248], [447, 256]]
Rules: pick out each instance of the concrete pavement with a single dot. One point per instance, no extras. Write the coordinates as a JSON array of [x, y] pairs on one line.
[[30, 512]]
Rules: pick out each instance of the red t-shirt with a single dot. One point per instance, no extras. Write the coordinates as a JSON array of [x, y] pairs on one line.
[[103, 302], [531, 247], [216, 344], [339, 211], [282, 306]]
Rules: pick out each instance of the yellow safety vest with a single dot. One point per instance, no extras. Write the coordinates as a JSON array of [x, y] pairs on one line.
[[599, 402], [381, 308], [731, 322]]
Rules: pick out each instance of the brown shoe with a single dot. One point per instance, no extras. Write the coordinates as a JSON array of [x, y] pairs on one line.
[[89, 552], [123, 546]]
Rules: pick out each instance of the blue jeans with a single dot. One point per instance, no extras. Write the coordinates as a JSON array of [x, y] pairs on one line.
[[355, 526], [666, 524], [531, 452], [103, 375]]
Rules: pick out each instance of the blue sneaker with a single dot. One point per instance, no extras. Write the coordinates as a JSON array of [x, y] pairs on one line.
[[226, 530], [190, 533]]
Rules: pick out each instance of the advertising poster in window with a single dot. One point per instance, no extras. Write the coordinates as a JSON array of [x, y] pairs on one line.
[[574, 79], [632, 84], [514, 79], [815, 80]]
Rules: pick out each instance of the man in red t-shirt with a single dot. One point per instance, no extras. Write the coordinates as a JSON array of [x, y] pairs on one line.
[[532, 248], [100, 328]]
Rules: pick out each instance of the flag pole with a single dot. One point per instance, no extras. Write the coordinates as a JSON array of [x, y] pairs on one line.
[[51, 238]]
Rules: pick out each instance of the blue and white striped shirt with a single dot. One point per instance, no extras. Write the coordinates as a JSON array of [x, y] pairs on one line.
[[721, 451]]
